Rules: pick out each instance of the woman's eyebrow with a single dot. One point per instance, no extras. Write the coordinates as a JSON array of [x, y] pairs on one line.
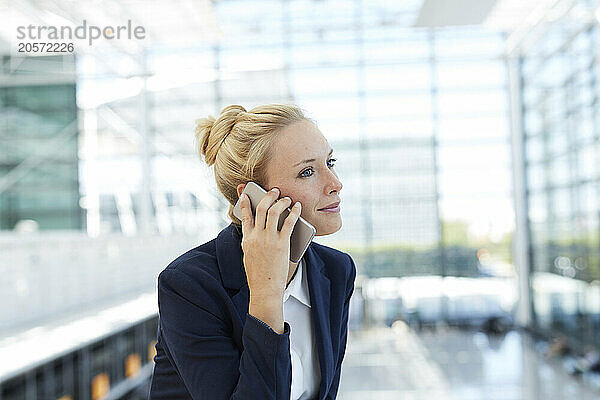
[[312, 159]]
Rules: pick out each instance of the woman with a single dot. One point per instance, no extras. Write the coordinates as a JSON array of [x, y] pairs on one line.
[[238, 320]]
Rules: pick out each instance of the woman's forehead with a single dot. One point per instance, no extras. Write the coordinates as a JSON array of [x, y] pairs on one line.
[[303, 139]]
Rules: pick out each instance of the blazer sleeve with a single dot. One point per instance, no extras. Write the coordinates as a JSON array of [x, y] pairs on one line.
[[204, 354], [332, 394]]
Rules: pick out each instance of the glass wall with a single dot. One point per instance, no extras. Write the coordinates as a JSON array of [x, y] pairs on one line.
[[561, 122], [38, 143], [417, 118]]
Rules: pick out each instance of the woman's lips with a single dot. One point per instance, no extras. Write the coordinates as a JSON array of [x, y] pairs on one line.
[[335, 209]]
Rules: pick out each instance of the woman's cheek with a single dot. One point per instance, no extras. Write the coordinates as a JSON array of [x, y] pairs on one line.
[[305, 203]]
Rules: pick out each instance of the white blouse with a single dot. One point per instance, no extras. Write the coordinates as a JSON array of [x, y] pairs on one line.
[[306, 373]]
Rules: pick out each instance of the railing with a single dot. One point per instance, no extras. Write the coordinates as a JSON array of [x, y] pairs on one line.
[[49, 274]]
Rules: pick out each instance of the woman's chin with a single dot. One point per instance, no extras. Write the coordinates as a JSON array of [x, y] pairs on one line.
[[329, 227]]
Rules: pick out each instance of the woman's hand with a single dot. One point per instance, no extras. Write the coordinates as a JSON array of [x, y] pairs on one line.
[[267, 250]]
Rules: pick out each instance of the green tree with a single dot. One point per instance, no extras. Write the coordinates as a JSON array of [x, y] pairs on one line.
[[454, 233]]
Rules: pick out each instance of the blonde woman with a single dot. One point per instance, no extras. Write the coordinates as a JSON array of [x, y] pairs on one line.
[[238, 320]]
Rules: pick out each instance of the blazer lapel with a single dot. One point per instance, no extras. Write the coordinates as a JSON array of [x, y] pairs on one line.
[[229, 258], [319, 289]]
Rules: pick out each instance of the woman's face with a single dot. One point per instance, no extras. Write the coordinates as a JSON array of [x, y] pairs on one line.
[[302, 168]]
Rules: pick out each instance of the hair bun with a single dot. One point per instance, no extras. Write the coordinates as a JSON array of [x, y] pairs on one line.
[[211, 133]]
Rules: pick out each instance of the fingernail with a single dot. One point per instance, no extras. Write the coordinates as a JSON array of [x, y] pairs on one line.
[[275, 190], [297, 205]]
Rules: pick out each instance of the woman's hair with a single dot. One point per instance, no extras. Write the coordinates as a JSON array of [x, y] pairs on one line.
[[239, 143]]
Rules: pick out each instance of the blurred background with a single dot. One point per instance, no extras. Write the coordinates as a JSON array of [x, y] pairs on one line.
[[467, 134]]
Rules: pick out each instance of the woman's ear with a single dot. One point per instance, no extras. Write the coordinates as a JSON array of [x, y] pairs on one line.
[[240, 189]]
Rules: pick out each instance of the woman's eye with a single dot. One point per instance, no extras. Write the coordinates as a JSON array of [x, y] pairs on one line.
[[303, 175]]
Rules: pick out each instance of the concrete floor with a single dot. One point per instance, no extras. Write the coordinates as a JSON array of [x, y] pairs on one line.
[[398, 363]]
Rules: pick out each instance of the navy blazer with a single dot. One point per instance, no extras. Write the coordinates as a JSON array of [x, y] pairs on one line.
[[208, 346]]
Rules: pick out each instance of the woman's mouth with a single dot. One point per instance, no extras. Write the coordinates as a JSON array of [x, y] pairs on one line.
[[332, 209]]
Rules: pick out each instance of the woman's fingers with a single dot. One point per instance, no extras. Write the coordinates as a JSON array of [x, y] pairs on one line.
[[247, 217], [290, 221], [263, 206], [275, 212]]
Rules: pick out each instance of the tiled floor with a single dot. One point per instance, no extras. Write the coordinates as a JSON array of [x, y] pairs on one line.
[[400, 364]]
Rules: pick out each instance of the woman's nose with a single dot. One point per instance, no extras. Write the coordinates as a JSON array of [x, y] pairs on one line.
[[334, 183]]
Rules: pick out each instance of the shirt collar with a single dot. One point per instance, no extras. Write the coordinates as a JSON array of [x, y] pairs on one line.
[[298, 287]]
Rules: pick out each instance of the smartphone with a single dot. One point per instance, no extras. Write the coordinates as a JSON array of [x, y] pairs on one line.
[[303, 232]]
